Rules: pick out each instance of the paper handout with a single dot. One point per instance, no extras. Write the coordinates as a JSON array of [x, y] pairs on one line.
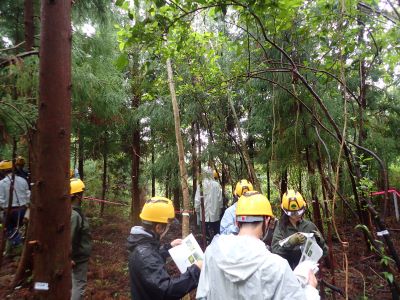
[[187, 253], [311, 251]]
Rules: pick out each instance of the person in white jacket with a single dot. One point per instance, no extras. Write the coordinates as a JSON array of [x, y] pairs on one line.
[[213, 203], [240, 267], [228, 221]]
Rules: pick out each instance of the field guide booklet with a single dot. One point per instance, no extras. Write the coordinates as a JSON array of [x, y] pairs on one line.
[[310, 255], [187, 253]]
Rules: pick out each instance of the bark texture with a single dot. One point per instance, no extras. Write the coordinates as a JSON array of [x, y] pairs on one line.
[[51, 211]]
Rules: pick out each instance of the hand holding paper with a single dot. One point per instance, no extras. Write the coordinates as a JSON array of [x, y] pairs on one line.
[[186, 253]]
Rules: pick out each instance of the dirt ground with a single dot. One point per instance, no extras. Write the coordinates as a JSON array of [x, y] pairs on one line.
[[108, 276]]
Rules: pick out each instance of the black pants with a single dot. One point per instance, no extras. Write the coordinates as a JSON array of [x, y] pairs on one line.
[[212, 228]]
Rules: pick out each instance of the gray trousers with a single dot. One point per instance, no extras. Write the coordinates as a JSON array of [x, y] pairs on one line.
[[79, 279]]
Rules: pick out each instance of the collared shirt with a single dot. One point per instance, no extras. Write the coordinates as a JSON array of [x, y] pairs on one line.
[[21, 192]]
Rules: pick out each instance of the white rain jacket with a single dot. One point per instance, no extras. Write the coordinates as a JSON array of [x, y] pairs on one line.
[[212, 200], [228, 224], [21, 191], [240, 267]]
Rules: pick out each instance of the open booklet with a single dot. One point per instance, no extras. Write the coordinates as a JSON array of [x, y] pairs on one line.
[[187, 253], [310, 255]]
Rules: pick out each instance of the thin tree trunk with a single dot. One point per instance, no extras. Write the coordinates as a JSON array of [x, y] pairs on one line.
[[153, 174], [51, 212], [181, 153], [104, 179], [314, 195], [80, 154], [284, 182], [29, 25], [194, 165], [268, 181], [24, 268], [177, 200], [243, 147], [135, 172], [325, 193], [201, 192]]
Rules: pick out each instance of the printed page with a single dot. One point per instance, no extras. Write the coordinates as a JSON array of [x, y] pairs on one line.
[[311, 251], [187, 253]]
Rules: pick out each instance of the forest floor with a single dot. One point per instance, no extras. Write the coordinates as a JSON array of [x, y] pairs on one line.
[[108, 276]]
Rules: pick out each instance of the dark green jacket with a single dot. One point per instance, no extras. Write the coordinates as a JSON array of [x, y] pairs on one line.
[[293, 253], [80, 236]]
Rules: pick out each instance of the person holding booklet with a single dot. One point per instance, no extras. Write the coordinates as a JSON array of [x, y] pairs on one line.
[[292, 225], [241, 267], [149, 279]]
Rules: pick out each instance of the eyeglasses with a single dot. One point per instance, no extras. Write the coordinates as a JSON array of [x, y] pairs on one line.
[[295, 213]]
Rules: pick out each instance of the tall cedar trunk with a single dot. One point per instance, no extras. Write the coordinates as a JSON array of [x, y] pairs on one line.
[[80, 154], [181, 153], [104, 179], [135, 204], [29, 25], [250, 169], [51, 212]]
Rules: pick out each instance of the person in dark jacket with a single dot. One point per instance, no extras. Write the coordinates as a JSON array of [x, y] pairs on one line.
[[80, 240], [291, 224], [149, 279]]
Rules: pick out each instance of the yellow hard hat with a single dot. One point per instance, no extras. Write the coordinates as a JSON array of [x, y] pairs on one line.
[[215, 174], [253, 204], [76, 186], [243, 186], [6, 165], [20, 161], [158, 210], [293, 203]]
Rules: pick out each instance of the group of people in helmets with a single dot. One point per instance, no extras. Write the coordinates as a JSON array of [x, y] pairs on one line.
[[237, 264]]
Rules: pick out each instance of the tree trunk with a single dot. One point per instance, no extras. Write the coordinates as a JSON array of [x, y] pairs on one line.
[[135, 205], [181, 153], [177, 199], [243, 147], [153, 174], [104, 179], [284, 182], [80, 154], [201, 192], [268, 181], [194, 165], [29, 25], [314, 196], [51, 212]]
